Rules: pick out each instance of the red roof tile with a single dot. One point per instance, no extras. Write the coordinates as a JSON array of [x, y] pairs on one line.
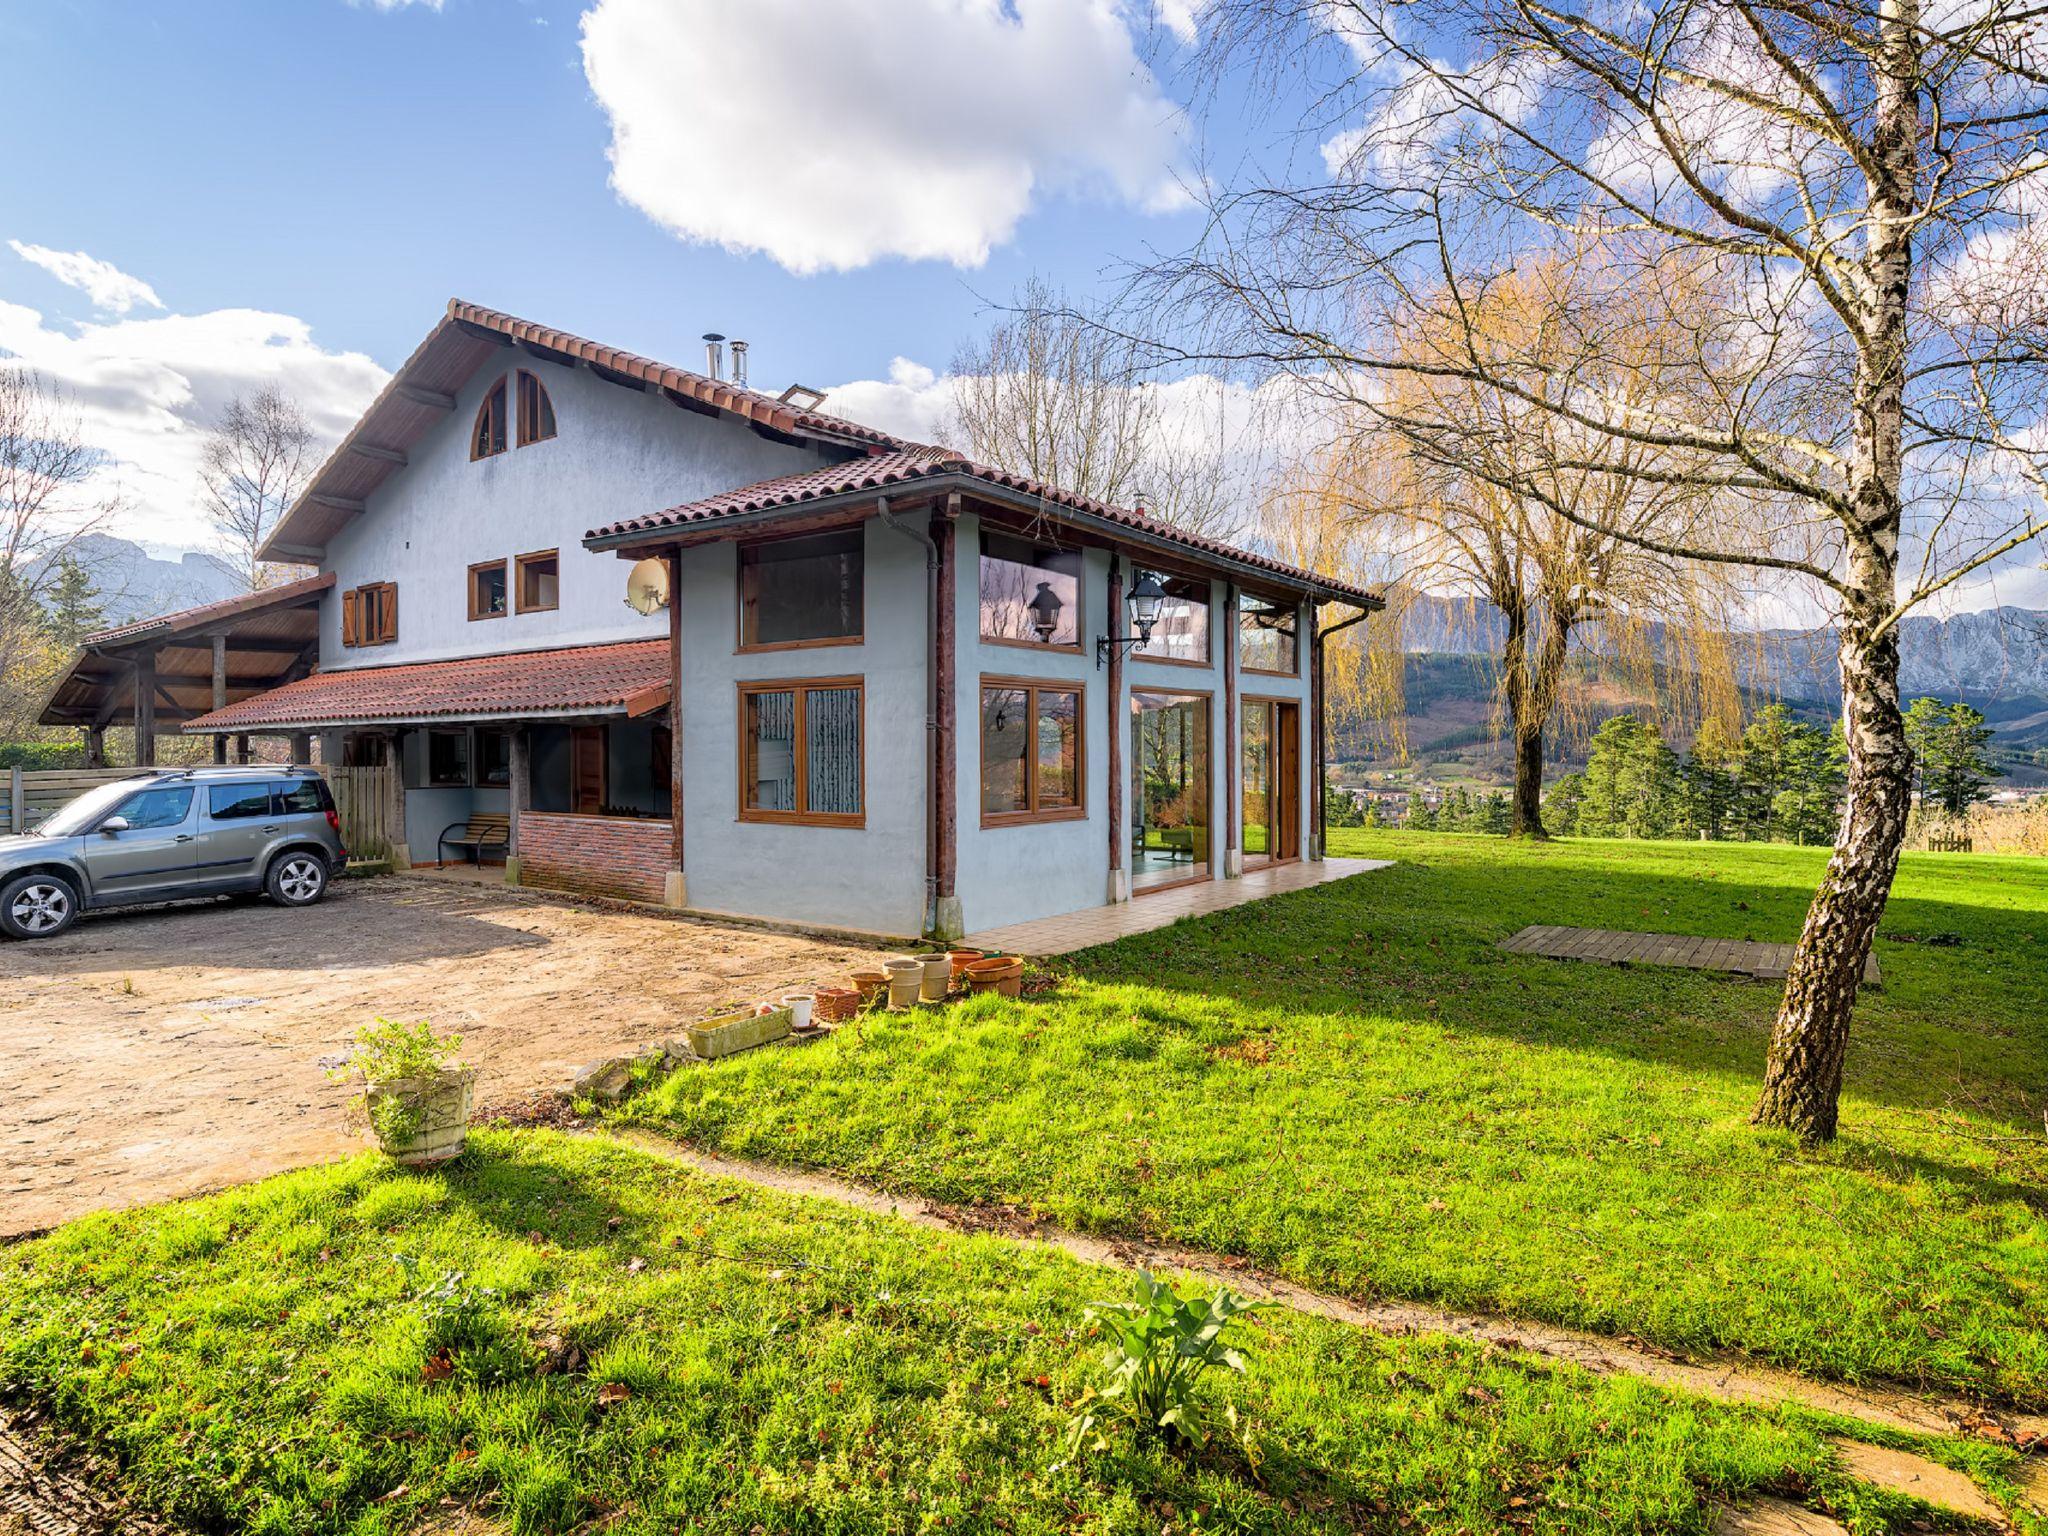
[[881, 471], [212, 613], [590, 679]]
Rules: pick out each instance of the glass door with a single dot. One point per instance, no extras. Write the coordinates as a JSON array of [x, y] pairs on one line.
[[1170, 809], [1270, 770]]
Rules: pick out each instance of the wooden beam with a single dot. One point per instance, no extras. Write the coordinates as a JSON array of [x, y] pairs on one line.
[[145, 710], [220, 693], [675, 709], [1116, 718], [381, 455], [945, 782], [309, 552], [432, 399], [1233, 767], [483, 333], [519, 788], [338, 503]]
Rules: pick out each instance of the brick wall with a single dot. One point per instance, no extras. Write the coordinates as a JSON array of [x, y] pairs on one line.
[[618, 856]]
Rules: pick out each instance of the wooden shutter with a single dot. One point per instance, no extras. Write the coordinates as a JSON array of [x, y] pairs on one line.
[[351, 618], [387, 614]]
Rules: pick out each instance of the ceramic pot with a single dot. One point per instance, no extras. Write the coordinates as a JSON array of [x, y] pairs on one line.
[[938, 976], [799, 1005], [906, 980], [1002, 973]]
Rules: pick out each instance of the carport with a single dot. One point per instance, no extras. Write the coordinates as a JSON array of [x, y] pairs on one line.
[[169, 670]]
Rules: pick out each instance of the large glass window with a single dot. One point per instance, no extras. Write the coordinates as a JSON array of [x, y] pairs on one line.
[[494, 757], [801, 751], [1030, 751], [1182, 633], [801, 591], [1266, 636], [448, 759], [1170, 812], [1030, 595], [536, 411]]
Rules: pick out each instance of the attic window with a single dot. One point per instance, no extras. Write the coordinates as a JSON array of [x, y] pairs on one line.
[[489, 436], [536, 411]]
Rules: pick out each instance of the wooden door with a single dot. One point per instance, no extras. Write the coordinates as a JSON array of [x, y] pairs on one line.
[[1286, 781], [587, 770]]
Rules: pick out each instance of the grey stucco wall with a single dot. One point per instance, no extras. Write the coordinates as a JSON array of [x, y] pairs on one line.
[[1012, 874], [616, 453], [870, 877]]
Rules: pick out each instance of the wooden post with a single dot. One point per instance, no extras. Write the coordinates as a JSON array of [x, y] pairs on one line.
[[676, 892], [518, 795], [145, 710], [95, 746], [302, 747], [242, 748], [1233, 765], [1315, 685], [394, 759], [1119, 880], [945, 782], [220, 693]]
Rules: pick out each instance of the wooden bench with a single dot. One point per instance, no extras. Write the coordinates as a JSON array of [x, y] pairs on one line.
[[476, 834]]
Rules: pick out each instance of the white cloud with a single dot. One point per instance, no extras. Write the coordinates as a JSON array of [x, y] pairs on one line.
[[395, 5], [1183, 19], [833, 136], [147, 390], [108, 287]]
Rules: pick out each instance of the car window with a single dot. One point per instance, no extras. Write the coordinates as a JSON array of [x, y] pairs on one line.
[[86, 812], [237, 802], [166, 807], [303, 797]]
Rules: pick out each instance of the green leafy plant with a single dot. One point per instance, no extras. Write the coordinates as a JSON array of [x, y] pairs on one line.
[[385, 1051], [1162, 1346]]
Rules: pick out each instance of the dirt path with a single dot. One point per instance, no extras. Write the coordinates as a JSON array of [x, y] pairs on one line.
[[1723, 1380], [155, 1054]]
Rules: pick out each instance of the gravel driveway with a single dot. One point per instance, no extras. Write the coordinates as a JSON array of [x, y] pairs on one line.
[[159, 1053]]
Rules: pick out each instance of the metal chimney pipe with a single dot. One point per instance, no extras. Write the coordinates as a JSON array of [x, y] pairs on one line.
[[739, 364], [714, 357]]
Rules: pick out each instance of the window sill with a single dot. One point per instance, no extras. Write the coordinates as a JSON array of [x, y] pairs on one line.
[[993, 819], [525, 608], [1170, 661], [798, 645], [1033, 645], [478, 618], [1270, 672], [803, 819]]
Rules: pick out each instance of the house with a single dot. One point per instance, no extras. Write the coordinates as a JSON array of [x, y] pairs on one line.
[[862, 683]]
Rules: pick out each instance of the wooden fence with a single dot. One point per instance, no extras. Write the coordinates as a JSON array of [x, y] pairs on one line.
[[28, 795], [371, 808]]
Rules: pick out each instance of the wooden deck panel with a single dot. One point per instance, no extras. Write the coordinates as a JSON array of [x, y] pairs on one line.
[[1615, 946]]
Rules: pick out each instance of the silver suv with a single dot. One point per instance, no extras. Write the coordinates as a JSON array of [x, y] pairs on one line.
[[170, 835]]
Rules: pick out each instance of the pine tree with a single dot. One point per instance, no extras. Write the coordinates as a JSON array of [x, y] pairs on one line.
[[1762, 773], [1949, 756], [1603, 811], [1494, 815], [1648, 786], [1420, 818], [1815, 765], [74, 609], [1707, 783], [1561, 805], [1457, 812], [1374, 816]]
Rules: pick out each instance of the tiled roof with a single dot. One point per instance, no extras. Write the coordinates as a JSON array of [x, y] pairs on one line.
[[212, 613], [914, 463], [725, 396], [590, 679]]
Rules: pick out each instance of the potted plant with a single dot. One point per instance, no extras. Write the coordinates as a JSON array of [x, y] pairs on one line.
[[997, 973], [416, 1096]]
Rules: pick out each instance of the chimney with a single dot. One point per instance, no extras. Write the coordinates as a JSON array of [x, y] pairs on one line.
[[714, 357], [739, 364]]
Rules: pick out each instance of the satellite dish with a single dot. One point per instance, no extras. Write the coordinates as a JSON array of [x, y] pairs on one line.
[[647, 586]]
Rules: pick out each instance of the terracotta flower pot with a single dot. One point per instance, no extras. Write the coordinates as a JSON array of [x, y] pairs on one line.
[[962, 958], [906, 980], [870, 986], [938, 976], [1003, 973]]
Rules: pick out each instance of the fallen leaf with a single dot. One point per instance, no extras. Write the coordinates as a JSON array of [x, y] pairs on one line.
[[440, 1367], [612, 1393]]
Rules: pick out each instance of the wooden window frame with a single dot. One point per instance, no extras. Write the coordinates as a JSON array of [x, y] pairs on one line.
[[1208, 660], [355, 602], [1033, 687], [524, 377], [741, 646], [467, 736], [519, 603], [1018, 642], [492, 406], [476, 610], [801, 686], [1237, 639]]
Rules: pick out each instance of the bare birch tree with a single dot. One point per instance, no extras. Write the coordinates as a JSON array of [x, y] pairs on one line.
[[1858, 177], [1045, 393], [257, 459], [45, 508]]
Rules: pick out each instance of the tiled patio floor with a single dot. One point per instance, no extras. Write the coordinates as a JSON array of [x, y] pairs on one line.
[[1141, 914]]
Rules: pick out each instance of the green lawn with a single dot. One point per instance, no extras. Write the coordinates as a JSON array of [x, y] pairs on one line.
[[342, 1349], [1353, 1086]]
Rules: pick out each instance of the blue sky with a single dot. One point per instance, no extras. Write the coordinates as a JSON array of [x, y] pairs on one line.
[[342, 169]]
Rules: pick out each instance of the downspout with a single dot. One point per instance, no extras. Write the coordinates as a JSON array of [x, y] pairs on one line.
[[931, 702], [1322, 774]]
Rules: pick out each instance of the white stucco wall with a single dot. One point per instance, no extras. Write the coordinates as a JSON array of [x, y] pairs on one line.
[[616, 453], [871, 877]]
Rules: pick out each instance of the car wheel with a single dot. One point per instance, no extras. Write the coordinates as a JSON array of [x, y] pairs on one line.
[[297, 880], [37, 907]]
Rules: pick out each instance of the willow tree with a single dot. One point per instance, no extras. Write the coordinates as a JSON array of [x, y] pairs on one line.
[[1453, 485], [1856, 176]]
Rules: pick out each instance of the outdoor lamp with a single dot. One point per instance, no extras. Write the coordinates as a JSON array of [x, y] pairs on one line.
[[1045, 612], [1146, 599]]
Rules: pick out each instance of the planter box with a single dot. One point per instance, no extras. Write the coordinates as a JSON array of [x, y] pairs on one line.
[[442, 1104], [732, 1032]]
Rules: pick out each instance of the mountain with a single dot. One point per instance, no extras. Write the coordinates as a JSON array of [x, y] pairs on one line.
[[133, 584]]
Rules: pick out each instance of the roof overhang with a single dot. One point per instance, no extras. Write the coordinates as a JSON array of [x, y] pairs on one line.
[[469, 337], [637, 544]]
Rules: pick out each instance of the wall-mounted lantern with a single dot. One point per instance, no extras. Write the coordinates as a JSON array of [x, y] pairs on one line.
[[1145, 601]]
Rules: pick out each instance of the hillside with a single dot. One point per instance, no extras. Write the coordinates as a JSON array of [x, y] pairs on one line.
[[133, 584]]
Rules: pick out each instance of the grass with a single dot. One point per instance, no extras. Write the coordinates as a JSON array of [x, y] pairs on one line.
[[1354, 1087], [341, 1350]]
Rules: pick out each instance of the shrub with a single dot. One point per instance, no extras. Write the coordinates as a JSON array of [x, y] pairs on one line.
[[1162, 1347]]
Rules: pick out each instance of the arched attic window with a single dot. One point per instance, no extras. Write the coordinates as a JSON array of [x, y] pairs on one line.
[[536, 411], [488, 437]]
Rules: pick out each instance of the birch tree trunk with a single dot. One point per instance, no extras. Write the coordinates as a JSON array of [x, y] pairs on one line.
[[1803, 1076]]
